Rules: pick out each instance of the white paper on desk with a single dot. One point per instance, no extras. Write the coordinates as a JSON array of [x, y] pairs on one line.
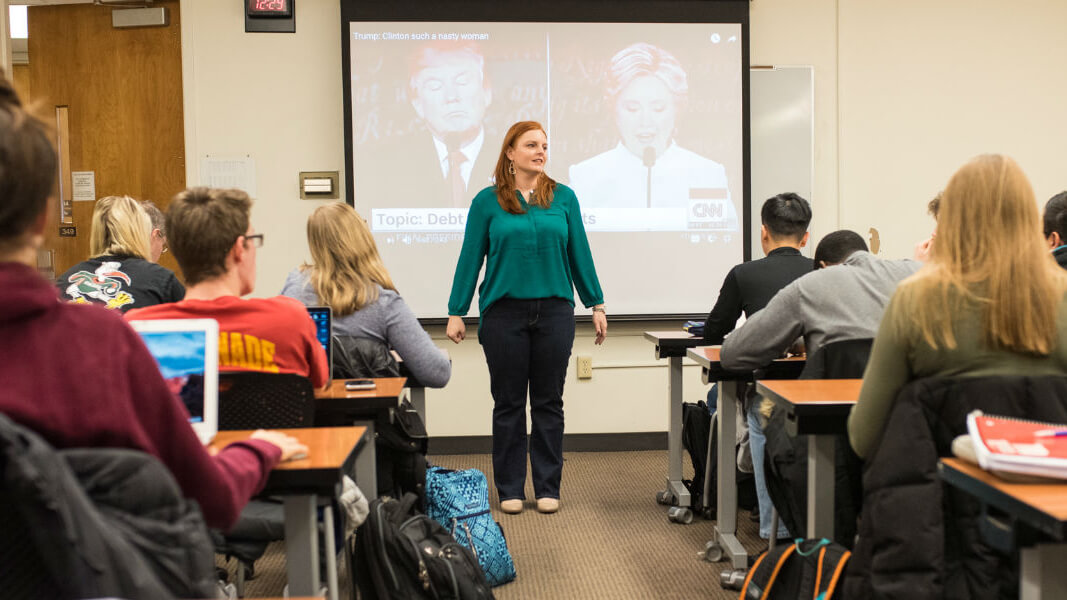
[[238, 172]]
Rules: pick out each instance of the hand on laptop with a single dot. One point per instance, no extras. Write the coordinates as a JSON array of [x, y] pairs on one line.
[[290, 446]]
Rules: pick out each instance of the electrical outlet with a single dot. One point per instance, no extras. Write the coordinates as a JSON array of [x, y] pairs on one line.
[[585, 367]]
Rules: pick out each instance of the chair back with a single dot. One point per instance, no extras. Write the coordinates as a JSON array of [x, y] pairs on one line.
[[844, 359], [265, 401]]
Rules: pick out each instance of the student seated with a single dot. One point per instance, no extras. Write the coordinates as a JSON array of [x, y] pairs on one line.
[[994, 308], [347, 275], [157, 238], [119, 273], [843, 299], [1055, 219], [210, 233], [77, 374], [748, 287]]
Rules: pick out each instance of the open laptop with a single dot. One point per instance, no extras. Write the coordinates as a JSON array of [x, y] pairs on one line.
[[323, 318], [187, 352]]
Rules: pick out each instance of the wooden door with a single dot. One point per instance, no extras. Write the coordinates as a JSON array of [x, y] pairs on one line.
[[123, 90]]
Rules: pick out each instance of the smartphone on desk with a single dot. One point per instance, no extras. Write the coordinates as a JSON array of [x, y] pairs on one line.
[[353, 385]]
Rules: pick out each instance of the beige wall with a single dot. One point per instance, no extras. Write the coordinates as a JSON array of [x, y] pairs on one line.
[[905, 91]]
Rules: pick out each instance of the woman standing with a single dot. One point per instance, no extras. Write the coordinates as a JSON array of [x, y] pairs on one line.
[[528, 229], [348, 276]]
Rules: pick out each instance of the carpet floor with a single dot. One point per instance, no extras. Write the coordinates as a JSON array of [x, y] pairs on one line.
[[609, 540]]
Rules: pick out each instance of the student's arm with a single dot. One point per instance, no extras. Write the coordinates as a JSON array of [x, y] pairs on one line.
[[887, 371], [425, 361], [723, 317], [766, 334]]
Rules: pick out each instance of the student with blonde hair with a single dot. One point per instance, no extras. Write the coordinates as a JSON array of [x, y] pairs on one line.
[[992, 308], [119, 273], [347, 274]]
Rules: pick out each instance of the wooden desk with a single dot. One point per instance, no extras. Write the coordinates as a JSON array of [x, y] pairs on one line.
[[672, 345], [730, 386], [336, 399], [817, 408], [1039, 506], [331, 452]]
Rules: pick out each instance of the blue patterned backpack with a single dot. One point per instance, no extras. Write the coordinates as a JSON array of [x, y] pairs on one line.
[[459, 500]]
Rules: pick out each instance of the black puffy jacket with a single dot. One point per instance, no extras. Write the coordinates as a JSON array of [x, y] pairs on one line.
[[919, 538], [96, 522]]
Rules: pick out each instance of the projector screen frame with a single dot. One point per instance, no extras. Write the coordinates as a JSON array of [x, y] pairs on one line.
[[561, 11]]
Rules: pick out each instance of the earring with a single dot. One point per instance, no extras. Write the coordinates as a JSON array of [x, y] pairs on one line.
[[511, 167]]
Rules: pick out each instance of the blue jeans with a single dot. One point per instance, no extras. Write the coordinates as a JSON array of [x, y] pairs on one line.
[[757, 441], [527, 345]]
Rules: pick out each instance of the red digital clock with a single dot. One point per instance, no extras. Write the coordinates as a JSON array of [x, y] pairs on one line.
[[269, 8]]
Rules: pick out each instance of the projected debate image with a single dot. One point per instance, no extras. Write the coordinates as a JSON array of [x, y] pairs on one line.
[[644, 122]]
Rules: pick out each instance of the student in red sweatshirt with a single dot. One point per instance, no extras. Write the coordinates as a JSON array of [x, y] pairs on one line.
[[77, 374]]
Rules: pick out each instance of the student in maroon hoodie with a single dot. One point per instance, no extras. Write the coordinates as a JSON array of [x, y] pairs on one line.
[[77, 374]]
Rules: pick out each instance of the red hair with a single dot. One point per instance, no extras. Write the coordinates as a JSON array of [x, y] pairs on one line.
[[505, 180]]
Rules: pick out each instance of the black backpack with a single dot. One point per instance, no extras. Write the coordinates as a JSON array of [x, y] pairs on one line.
[[805, 569], [400, 453], [697, 433], [402, 554]]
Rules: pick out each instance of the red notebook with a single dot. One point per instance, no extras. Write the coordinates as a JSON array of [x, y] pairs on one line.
[[1016, 446]]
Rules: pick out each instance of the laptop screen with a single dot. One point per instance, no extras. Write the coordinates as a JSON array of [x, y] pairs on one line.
[[186, 351], [323, 317]]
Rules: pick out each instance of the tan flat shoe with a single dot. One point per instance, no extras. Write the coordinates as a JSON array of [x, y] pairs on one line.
[[547, 505], [511, 507]]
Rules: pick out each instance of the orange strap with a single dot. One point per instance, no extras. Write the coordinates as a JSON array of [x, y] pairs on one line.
[[818, 574], [777, 567], [751, 572], [837, 573]]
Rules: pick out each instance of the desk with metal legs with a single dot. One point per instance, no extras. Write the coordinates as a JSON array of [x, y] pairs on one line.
[[331, 452], [672, 345], [731, 385], [817, 408]]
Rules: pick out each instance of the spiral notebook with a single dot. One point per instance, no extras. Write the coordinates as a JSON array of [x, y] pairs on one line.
[[1018, 446]]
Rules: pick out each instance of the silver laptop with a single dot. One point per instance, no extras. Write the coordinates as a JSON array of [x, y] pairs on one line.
[[187, 352]]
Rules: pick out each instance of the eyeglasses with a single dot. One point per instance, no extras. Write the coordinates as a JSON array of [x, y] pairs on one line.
[[255, 238]]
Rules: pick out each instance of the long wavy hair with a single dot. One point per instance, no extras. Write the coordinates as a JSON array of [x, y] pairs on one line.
[[505, 180], [121, 227], [988, 251], [345, 262]]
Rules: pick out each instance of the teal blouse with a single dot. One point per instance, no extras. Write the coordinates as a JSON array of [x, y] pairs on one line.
[[542, 253]]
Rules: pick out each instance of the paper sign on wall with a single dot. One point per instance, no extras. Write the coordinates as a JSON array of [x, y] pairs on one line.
[[237, 173], [83, 186]]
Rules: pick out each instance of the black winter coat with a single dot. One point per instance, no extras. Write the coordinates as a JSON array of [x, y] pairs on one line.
[[919, 538], [96, 522]]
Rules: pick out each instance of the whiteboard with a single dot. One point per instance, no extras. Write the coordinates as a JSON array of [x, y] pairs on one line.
[[782, 113]]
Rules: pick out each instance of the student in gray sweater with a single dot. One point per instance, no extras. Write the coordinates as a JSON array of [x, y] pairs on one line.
[[349, 277], [843, 299]]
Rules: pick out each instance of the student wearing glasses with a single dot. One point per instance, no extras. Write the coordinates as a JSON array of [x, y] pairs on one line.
[[211, 236]]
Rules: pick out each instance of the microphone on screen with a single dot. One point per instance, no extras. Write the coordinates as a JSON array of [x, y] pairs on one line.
[[649, 158]]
